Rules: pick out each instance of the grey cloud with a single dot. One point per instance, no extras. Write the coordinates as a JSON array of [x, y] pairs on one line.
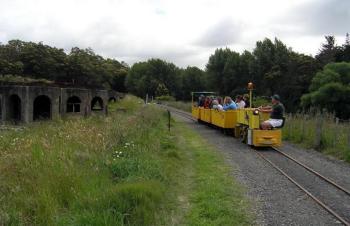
[[181, 57], [223, 33], [323, 17]]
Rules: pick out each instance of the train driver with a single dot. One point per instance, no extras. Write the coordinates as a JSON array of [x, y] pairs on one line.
[[276, 113]]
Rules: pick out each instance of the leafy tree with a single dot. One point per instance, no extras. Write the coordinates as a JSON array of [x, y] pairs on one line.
[[114, 74], [162, 90], [215, 69], [271, 60], [82, 67], [328, 52], [145, 77], [330, 89], [8, 68], [193, 79], [301, 70], [12, 51], [344, 53]]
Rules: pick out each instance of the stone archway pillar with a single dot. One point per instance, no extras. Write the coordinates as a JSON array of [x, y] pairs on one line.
[[27, 110]]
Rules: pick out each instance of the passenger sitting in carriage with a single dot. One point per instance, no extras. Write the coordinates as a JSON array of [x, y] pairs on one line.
[[201, 100], [276, 113], [246, 100], [219, 99], [207, 102], [216, 105], [240, 102], [229, 104]]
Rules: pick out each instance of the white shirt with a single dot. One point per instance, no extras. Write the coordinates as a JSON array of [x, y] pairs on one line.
[[218, 106], [241, 104]]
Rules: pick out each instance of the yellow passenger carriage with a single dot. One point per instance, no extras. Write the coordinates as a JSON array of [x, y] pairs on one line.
[[245, 123], [200, 113], [224, 119]]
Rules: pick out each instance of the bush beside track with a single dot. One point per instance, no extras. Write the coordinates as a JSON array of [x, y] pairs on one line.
[[320, 132]]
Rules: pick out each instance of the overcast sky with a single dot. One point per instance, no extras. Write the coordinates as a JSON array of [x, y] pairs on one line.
[[184, 32]]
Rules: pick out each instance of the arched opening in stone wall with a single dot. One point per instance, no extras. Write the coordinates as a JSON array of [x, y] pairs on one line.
[[42, 108], [112, 100], [14, 108], [97, 104], [73, 104]]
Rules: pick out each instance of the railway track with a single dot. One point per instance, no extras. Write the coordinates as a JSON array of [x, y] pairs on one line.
[[332, 197], [178, 112]]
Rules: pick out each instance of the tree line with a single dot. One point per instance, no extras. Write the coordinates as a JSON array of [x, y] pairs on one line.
[[271, 66], [302, 81], [79, 67]]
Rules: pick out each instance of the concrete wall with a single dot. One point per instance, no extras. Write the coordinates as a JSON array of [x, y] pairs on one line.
[[58, 98]]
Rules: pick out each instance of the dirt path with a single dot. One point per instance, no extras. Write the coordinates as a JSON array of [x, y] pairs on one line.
[[275, 199]]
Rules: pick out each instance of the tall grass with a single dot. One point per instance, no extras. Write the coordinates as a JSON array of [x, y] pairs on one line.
[[334, 136], [95, 171], [124, 169], [217, 199]]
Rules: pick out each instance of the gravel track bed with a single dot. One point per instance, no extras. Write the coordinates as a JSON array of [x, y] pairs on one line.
[[338, 171], [334, 198], [275, 199]]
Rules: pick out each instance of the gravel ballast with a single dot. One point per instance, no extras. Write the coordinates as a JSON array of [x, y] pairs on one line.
[[276, 200]]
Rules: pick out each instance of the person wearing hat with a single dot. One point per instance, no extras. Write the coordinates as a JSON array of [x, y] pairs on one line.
[[276, 113]]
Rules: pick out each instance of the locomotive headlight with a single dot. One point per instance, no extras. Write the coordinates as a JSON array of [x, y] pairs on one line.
[[256, 112]]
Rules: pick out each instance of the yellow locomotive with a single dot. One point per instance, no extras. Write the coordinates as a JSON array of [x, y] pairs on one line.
[[244, 123]]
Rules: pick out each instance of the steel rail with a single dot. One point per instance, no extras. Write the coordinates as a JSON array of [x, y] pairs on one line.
[[319, 202], [313, 171]]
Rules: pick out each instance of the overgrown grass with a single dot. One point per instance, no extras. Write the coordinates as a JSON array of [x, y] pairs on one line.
[[334, 140], [21, 79], [95, 171], [216, 198], [124, 169]]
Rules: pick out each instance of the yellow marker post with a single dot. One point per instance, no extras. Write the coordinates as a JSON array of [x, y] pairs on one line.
[[250, 88]]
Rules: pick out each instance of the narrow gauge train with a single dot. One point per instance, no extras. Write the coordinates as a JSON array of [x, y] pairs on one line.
[[244, 123]]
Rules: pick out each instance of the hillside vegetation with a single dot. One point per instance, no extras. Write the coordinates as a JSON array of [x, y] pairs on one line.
[[124, 169]]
